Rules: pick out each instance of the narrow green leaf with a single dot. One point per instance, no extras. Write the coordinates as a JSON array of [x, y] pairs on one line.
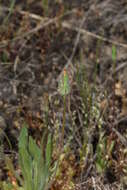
[[25, 159], [49, 151], [114, 53], [64, 85], [34, 149], [99, 167], [23, 138], [35, 153], [41, 174], [46, 161], [10, 11], [111, 147]]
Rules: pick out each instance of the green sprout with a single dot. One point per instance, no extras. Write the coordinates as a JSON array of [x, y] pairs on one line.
[[64, 86], [114, 56], [64, 90], [114, 53]]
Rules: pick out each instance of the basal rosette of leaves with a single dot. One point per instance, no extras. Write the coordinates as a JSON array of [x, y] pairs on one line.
[[35, 164]]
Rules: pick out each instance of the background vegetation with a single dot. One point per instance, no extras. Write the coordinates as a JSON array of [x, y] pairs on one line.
[[63, 97]]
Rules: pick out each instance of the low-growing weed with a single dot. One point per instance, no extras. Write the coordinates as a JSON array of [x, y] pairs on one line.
[[104, 151], [35, 164]]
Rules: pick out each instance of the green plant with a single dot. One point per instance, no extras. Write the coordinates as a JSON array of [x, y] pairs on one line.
[[114, 52], [64, 85], [10, 11], [90, 111], [64, 90], [86, 94], [35, 163], [114, 56], [45, 5], [3, 134], [103, 151]]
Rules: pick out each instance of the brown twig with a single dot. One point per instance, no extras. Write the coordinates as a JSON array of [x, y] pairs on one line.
[[66, 24], [76, 42], [44, 22]]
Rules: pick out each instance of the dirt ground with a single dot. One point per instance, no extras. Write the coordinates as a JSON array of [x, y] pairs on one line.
[[35, 48]]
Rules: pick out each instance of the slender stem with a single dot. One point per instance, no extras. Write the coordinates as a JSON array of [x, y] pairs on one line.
[[9, 143], [64, 119], [114, 76]]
